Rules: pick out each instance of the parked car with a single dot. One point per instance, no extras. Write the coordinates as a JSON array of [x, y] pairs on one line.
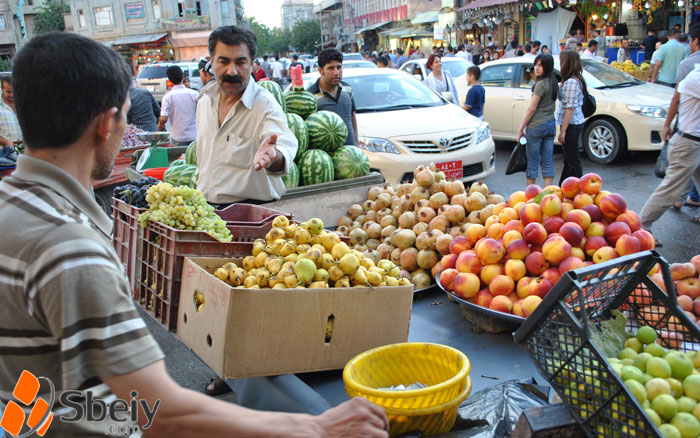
[[456, 66], [153, 77], [359, 64], [352, 57], [629, 117], [402, 123]]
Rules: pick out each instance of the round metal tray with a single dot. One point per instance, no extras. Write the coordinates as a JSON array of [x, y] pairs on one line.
[[432, 285], [507, 317]]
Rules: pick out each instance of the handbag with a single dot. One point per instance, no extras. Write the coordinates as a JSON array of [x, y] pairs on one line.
[[662, 162], [588, 106], [518, 160]]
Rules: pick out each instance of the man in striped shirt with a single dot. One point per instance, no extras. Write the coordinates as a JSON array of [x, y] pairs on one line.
[[66, 311]]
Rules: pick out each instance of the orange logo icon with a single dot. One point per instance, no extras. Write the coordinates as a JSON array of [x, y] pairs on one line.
[[40, 417]]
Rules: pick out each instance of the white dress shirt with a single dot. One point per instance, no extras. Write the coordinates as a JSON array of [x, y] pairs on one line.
[[225, 153], [180, 105]]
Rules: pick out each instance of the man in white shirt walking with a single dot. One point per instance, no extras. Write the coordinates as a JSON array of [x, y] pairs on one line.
[[277, 68], [590, 50], [179, 106]]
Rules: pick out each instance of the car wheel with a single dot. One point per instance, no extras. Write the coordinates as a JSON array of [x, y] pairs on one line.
[[603, 141]]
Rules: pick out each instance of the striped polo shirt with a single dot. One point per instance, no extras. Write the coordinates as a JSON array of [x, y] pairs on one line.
[[66, 311]]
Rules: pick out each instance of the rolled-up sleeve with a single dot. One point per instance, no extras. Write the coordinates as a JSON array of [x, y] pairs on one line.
[[275, 122], [568, 94]]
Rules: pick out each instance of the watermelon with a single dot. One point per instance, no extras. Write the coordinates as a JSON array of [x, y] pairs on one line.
[[181, 174], [301, 103], [191, 153], [316, 167], [177, 163], [350, 162], [298, 127], [291, 179], [327, 131], [276, 91]]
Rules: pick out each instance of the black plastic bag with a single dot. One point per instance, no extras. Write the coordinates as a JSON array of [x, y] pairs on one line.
[[662, 162], [518, 160]]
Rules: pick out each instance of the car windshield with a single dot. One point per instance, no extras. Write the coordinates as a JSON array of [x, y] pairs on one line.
[[456, 66], [352, 57], [600, 75], [359, 64], [391, 92], [153, 72]]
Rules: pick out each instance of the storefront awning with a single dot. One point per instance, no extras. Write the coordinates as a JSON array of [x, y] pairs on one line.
[[372, 27], [190, 39], [426, 17], [138, 39], [408, 32], [485, 3]]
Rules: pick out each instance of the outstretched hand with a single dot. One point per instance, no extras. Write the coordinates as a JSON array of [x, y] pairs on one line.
[[266, 154], [355, 418]]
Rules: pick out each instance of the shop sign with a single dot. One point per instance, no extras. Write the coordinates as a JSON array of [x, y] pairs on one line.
[[179, 23], [134, 11], [438, 32]]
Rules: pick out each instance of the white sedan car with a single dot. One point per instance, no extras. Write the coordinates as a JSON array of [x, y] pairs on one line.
[[456, 66], [402, 123]]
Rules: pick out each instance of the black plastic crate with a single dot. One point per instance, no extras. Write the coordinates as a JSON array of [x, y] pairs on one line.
[[558, 339]]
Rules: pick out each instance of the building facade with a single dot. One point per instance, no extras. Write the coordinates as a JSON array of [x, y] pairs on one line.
[[294, 11]]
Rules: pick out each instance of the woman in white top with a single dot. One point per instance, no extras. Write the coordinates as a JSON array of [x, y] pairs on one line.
[[440, 80]]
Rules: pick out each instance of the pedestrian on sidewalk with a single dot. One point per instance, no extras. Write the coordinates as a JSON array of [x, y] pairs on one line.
[[144, 110], [668, 57], [569, 115], [179, 106]]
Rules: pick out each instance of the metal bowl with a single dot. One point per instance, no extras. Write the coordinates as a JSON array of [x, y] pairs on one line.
[[150, 137]]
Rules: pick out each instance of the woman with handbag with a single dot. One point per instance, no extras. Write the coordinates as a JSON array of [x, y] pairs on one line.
[[440, 80], [569, 114], [539, 121]]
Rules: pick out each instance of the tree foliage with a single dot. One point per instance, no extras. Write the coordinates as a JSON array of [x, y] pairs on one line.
[[307, 34], [50, 17], [276, 41]]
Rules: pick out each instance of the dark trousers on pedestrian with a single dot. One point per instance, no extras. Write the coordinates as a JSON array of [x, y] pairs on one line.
[[572, 154]]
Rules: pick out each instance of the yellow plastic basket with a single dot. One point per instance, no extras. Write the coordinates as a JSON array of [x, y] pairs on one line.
[[443, 369]]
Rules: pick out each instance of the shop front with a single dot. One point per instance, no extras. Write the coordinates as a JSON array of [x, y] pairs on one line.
[[368, 37], [499, 19], [143, 49], [409, 37], [190, 46]]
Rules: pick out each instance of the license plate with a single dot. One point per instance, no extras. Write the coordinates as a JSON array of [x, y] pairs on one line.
[[150, 88], [451, 169]]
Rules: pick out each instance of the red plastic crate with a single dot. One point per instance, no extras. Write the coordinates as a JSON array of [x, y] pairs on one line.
[[125, 237], [249, 215]]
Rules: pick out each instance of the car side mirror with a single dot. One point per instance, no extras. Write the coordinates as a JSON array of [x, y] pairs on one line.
[[419, 77]]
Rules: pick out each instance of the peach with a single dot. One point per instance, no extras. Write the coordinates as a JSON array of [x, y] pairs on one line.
[[531, 212], [518, 249], [646, 240], [577, 252], [501, 285], [529, 305], [540, 287], [555, 250], [582, 199], [489, 272], [459, 244], [475, 232], [436, 269], [468, 261], [590, 183], [615, 230], [689, 287], [506, 215], [686, 303], [518, 308], [551, 205], [555, 190], [552, 224], [631, 218], [514, 225], [501, 304], [604, 254], [511, 236], [449, 261], [672, 338], [580, 217], [519, 206], [626, 245], [696, 306], [654, 269], [594, 212], [447, 278], [566, 208], [593, 244], [535, 233], [659, 280], [690, 315], [596, 229], [570, 264], [466, 285], [516, 197], [490, 251], [532, 190], [640, 297], [570, 187], [597, 198], [696, 262], [515, 269], [572, 232], [536, 263], [680, 271], [498, 208], [483, 297], [552, 274], [613, 205], [523, 287], [493, 219], [495, 231]]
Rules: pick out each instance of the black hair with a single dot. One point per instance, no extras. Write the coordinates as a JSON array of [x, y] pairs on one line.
[[513, 44], [528, 48], [592, 43], [174, 74], [521, 53], [694, 32], [277, 57], [460, 47], [6, 78], [399, 51], [295, 56], [682, 37], [536, 43], [233, 36], [474, 71], [673, 32], [384, 60], [489, 38], [329, 55], [55, 105], [547, 62], [264, 57]]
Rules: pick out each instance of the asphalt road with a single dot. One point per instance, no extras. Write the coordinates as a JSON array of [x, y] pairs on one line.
[[634, 179]]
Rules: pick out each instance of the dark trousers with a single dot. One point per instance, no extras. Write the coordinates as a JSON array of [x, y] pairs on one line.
[[572, 157]]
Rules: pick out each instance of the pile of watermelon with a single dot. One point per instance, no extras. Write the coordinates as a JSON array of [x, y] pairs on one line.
[[184, 172], [322, 155]]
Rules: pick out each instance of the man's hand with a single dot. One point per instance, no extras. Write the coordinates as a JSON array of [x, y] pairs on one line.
[[667, 132], [267, 153], [355, 418]]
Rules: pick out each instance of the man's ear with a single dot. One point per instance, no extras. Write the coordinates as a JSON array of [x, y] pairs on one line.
[[105, 122]]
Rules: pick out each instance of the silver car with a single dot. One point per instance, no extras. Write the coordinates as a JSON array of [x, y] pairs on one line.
[[154, 78]]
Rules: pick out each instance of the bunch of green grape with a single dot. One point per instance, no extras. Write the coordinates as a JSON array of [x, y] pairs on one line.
[[183, 208]]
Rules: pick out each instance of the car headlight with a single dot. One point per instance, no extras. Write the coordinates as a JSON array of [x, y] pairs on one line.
[[483, 133], [647, 111], [377, 145]]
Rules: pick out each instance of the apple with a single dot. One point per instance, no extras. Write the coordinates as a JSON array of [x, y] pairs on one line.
[[529, 305], [593, 244], [680, 271], [570, 187], [555, 250], [631, 218], [646, 240], [489, 272], [515, 269], [514, 225], [535, 233], [459, 244], [523, 287], [483, 297], [531, 212], [594, 212], [466, 285], [580, 217], [447, 278], [596, 229], [582, 199], [516, 197], [570, 264], [551, 205], [689, 287], [604, 254], [501, 303], [449, 261], [613, 205], [552, 224], [590, 183], [536, 263], [501, 285], [532, 190], [615, 230], [468, 261], [626, 245], [540, 287], [518, 249], [572, 232], [552, 274]]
